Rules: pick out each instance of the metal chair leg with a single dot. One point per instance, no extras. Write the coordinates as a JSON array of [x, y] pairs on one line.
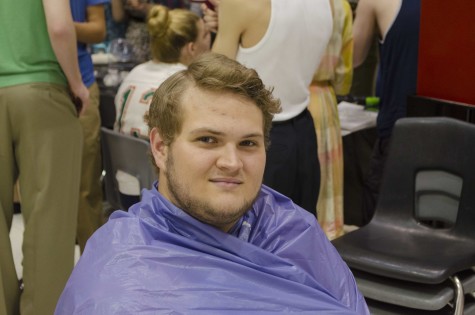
[[459, 298]]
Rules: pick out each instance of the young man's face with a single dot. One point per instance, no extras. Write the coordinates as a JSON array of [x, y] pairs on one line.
[[213, 169]]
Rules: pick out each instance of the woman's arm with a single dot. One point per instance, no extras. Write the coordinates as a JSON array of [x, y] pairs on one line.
[[364, 28], [232, 22], [94, 29], [118, 12]]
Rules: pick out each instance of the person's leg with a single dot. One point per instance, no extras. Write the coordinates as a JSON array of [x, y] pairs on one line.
[[374, 177], [307, 186], [281, 168], [49, 160], [90, 213], [9, 288], [292, 161]]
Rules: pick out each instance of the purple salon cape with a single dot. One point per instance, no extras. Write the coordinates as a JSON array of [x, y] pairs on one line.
[[156, 259]]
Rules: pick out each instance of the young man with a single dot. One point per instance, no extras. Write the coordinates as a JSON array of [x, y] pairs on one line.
[[40, 143], [209, 238]]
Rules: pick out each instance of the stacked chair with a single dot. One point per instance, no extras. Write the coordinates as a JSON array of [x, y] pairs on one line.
[[127, 154], [107, 108], [416, 254]]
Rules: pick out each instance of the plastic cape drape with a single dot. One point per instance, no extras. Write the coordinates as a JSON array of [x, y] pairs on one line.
[[156, 259]]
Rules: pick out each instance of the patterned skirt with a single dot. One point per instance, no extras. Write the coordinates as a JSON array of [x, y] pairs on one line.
[[323, 107]]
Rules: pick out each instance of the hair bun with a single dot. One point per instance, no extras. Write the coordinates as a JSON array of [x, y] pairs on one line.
[[158, 21]]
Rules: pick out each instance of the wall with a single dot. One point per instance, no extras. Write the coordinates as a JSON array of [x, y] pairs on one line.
[[447, 50]]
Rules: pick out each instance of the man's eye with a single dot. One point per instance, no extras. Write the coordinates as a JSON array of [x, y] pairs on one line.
[[207, 139], [248, 143]]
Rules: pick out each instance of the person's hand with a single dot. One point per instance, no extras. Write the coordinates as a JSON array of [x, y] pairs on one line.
[[210, 16], [80, 96]]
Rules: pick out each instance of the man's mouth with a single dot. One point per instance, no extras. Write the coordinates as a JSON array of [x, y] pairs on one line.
[[227, 182]]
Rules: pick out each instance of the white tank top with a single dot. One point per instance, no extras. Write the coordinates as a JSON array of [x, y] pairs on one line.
[[288, 55]]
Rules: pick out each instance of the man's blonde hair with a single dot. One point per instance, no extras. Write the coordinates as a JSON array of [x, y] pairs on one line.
[[214, 73]]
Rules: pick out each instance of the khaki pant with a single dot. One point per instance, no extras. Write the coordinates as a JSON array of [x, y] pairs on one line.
[[41, 144], [90, 214]]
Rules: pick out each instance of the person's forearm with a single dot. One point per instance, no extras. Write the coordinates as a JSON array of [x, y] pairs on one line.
[[94, 29], [90, 33], [360, 51], [118, 13], [63, 41], [232, 21], [64, 46], [364, 27]]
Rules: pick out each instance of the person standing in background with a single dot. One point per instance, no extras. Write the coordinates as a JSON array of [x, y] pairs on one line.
[[284, 42], [334, 76], [90, 24], [135, 13], [397, 24], [41, 144], [177, 37]]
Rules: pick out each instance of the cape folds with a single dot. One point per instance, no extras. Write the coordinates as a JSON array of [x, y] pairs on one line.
[[156, 259]]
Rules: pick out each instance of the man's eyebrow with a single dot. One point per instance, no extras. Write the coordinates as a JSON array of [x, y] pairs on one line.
[[219, 133], [254, 135], [206, 130]]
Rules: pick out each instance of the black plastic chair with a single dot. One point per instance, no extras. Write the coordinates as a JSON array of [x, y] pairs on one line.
[[129, 155], [107, 107], [423, 229]]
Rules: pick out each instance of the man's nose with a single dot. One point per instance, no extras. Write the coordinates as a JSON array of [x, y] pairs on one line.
[[229, 158]]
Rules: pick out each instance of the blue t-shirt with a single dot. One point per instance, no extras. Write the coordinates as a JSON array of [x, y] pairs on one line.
[[79, 12]]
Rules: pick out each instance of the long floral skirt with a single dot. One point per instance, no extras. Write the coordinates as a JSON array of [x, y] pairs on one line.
[[323, 107]]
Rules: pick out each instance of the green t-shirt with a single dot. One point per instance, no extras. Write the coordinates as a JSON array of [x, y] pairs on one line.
[[26, 55]]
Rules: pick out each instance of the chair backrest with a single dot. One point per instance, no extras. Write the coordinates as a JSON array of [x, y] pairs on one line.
[[107, 108], [437, 197], [127, 154], [430, 173]]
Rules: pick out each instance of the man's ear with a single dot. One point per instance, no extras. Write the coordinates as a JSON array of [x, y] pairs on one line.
[[159, 149]]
